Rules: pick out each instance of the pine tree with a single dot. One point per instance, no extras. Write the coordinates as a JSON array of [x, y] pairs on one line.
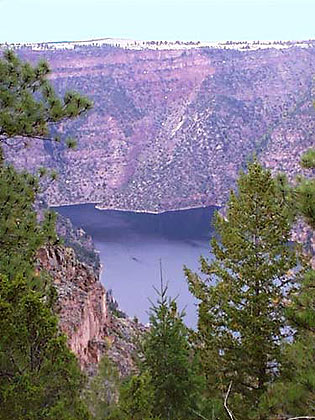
[[39, 376], [294, 393], [169, 361], [21, 235], [136, 400], [305, 190], [242, 297], [29, 105]]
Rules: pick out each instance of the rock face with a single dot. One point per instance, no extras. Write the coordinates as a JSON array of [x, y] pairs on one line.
[[85, 318], [82, 305], [172, 127], [123, 338], [79, 241]]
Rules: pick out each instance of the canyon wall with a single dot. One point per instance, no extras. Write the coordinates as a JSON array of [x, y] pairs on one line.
[[85, 315], [171, 128]]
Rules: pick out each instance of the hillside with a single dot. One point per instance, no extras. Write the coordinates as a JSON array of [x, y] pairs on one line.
[[172, 127]]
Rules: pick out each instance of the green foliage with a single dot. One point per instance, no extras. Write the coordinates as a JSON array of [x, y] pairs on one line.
[[286, 196], [294, 393], [168, 386], [136, 398], [39, 376], [102, 394], [301, 311], [71, 143], [305, 190], [306, 200], [21, 235], [169, 360], [308, 159], [29, 104], [242, 299], [108, 398], [28, 108]]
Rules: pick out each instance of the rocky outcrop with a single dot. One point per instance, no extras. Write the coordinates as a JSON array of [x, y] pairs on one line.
[[77, 239], [84, 314], [81, 304], [124, 343]]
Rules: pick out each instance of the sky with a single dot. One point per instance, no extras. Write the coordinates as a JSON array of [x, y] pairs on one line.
[[184, 20]]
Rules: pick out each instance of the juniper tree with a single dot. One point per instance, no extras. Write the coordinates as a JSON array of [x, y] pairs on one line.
[[242, 294]]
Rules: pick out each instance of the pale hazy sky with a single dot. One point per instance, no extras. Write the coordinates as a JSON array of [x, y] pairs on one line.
[[204, 20]]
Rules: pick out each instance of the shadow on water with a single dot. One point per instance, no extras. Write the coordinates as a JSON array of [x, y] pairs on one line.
[[131, 245]]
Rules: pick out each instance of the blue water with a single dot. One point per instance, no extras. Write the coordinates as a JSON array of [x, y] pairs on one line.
[[131, 246]]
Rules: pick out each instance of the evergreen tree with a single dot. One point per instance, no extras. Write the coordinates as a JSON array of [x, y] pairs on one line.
[[39, 376], [241, 311], [169, 361], [102, 393], [305, 190], [21, 235], [294, 394], [29, 105], [136, 400]]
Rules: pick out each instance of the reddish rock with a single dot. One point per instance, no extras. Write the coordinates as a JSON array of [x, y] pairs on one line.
[[84, 315], [82, 308]]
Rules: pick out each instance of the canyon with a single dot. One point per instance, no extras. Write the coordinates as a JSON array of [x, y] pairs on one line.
[[136, 249], [172, 125]]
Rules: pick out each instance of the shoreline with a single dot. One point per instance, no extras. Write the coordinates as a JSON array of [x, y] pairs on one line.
[[156, 212], [98, 206]]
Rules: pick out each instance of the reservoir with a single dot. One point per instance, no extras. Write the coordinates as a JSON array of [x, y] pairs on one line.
[[131, 246]]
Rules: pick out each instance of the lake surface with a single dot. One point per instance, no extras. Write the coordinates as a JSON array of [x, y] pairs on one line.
[[131, 246]]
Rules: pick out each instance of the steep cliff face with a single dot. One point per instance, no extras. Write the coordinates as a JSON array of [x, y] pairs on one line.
[[85, 318], [82, 305], [171, 128]]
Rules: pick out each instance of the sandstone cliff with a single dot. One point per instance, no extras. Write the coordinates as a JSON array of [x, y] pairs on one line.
[[84, 313]]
